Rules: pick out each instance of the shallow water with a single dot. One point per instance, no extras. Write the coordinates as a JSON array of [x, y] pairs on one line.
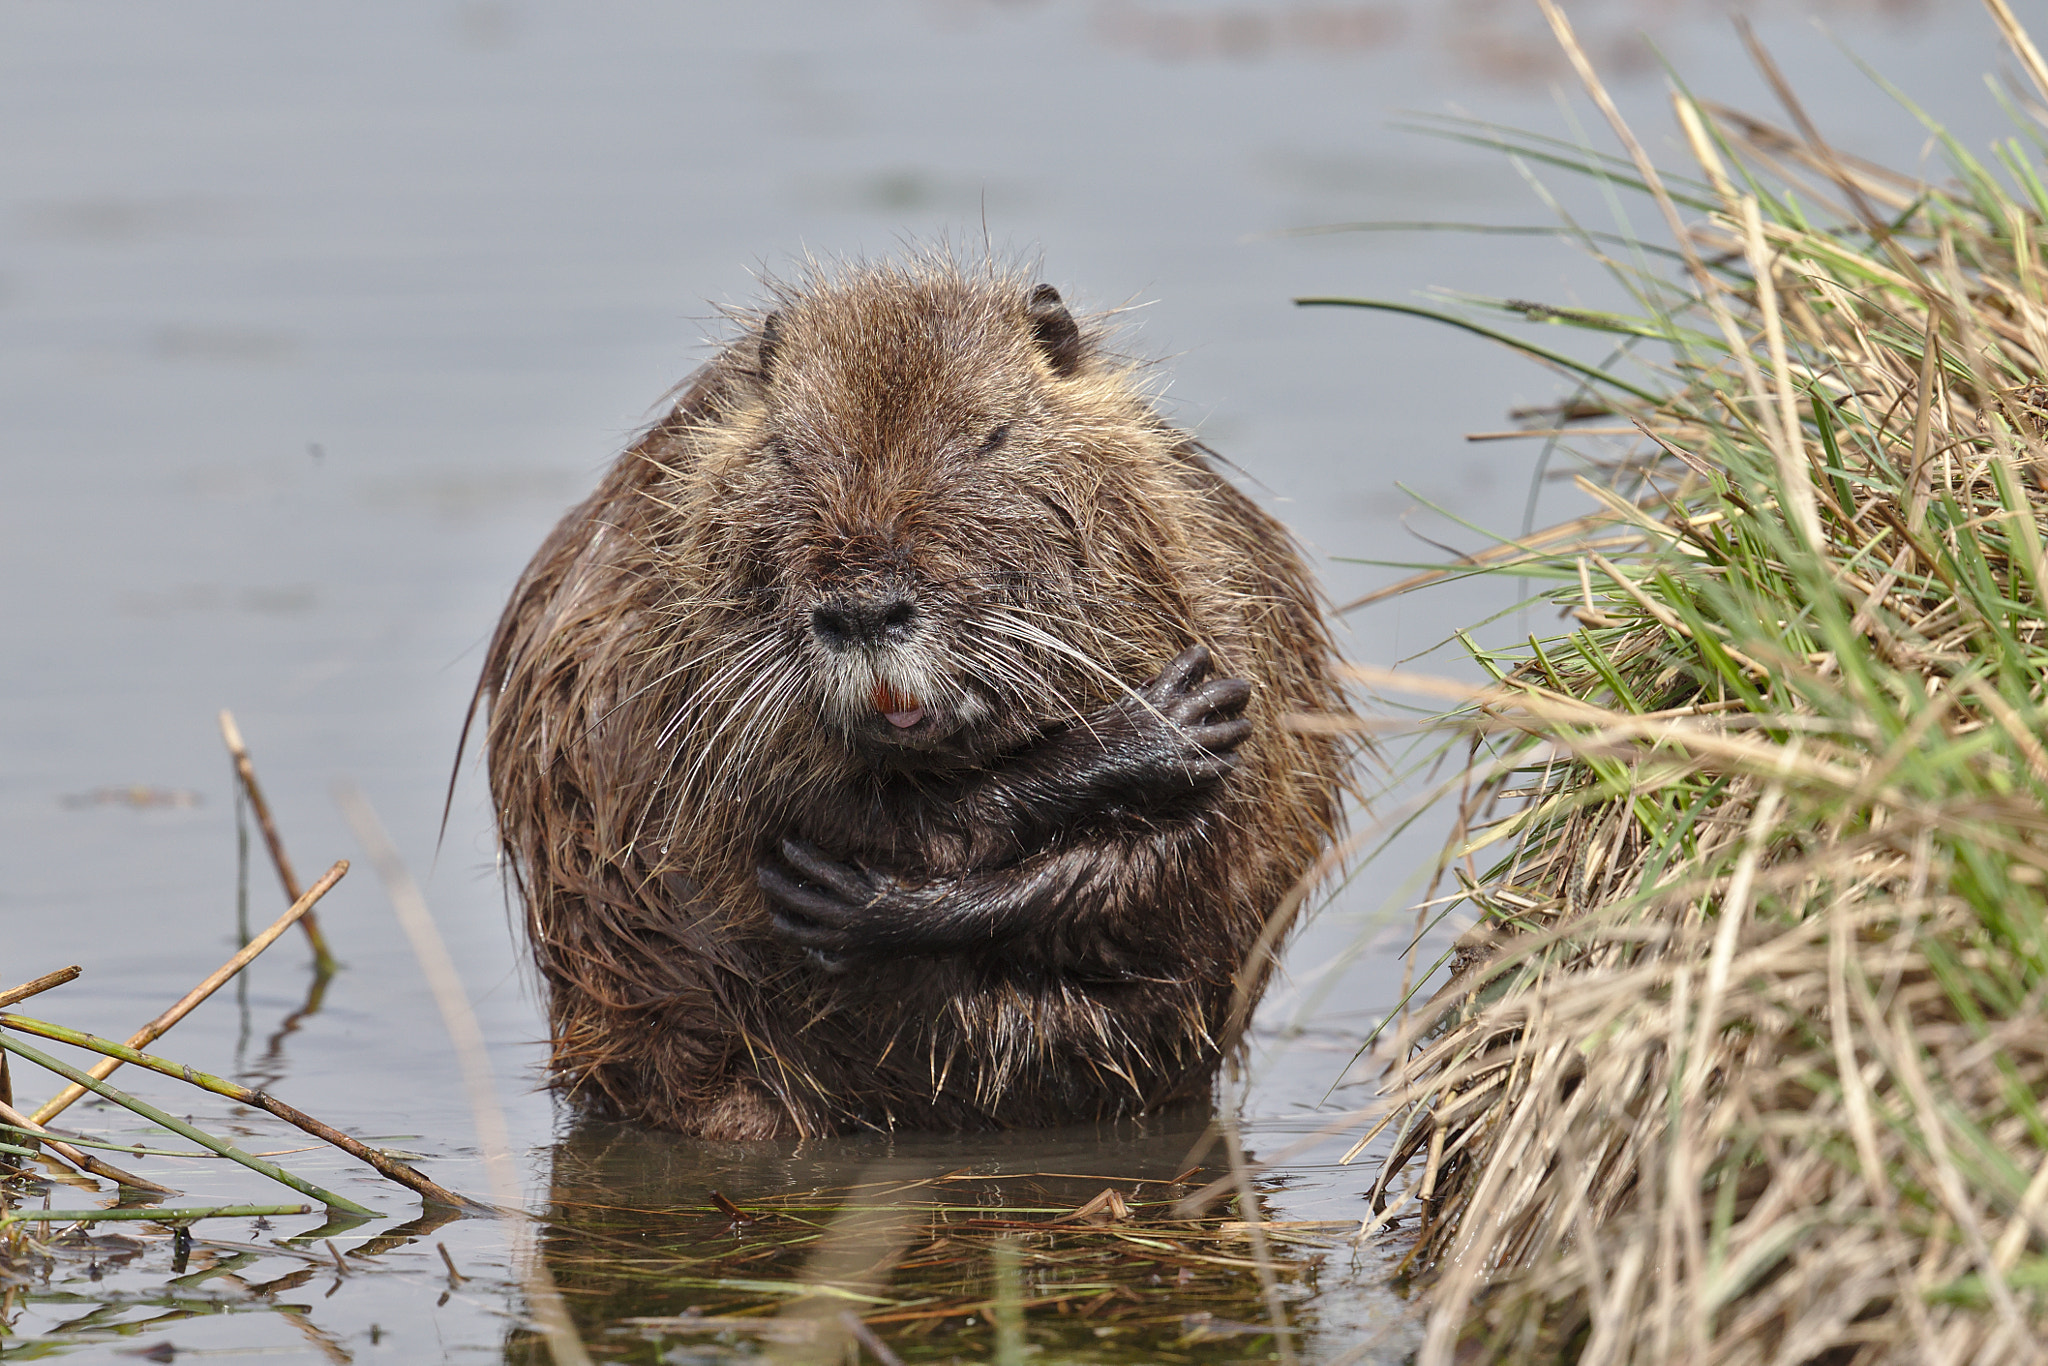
[[312, 319]]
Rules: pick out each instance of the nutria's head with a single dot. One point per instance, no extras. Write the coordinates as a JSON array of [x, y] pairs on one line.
[[934, 510]]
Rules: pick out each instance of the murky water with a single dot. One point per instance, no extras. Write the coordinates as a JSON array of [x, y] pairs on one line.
[[313, 318]]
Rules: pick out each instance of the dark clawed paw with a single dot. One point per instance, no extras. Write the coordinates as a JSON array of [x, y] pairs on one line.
[[826, 906], [1181, 695], [1204, 718], [860, 890]]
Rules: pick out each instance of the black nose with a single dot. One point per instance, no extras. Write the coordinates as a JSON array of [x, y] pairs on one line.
[[844, 623]]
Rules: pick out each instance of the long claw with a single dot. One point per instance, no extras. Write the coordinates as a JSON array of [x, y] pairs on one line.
[[1187, 669], [821, 907], [805, 935], [1219, 697], [1222, 737], [826, 872], [1213, 770]]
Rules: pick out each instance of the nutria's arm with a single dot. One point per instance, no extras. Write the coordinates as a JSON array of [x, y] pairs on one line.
[[1081, 821], [1146, 754], [1049, 908]]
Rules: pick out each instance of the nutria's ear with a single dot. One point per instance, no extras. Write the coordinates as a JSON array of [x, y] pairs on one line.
[[1054, 329], [766, 343]]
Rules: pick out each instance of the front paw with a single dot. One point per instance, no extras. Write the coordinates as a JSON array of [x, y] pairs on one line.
[[833, 909], [1187, 726]]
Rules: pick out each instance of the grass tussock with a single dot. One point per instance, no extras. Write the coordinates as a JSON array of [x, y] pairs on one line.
[[1745, 1059]]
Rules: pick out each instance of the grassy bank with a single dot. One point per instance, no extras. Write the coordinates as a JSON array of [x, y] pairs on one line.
[[1745, 1058]]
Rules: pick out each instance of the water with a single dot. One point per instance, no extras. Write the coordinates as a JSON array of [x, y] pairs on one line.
[[313, 318]]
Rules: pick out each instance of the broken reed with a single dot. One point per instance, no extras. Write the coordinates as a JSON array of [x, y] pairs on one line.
[[32, 1129], [1745, 1058]]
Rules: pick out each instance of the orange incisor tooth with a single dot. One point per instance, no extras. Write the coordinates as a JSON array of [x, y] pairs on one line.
[[888, 699]]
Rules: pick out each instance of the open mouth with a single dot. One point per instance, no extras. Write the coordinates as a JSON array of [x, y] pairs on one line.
[[898, 710]]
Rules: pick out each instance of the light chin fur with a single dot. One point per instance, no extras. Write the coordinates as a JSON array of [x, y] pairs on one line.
[[849, 682]]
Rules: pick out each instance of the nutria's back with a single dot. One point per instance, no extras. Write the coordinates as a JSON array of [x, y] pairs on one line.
[[895, 737]]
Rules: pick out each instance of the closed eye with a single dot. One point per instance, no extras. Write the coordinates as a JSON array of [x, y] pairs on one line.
[[994, 440]]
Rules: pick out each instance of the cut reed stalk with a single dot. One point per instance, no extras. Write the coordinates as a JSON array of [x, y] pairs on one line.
[[77, 1140], [323, 960], [38, 986], [84, 1161], [155, 1029], [1746, 1057], [182, 1129], [385, 1164], [156, 1215]]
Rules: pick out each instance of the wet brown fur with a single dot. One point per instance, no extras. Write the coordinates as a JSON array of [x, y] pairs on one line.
[[656, 722]]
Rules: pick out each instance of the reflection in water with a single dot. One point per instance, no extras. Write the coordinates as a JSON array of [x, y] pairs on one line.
[[675, 1249], [267, 1071], [137, 796], [1503, 42], [79, 1291], [1244, 33], [273, 1066]]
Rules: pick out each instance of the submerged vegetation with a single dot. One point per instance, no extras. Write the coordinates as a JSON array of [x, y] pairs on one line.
[[935, 1252], [1744, 1060]]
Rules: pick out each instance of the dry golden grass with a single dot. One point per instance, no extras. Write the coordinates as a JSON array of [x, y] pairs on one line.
[[1745, 1059]]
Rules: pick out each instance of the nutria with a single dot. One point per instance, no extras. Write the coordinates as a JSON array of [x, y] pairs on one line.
[[896, 737]]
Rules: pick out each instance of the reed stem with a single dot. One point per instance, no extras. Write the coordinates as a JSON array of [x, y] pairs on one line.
[[156, 1028], [323, 959], [148, 1214], [85, 1162], [385, 1164], [182, 1129], [38, 985]]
